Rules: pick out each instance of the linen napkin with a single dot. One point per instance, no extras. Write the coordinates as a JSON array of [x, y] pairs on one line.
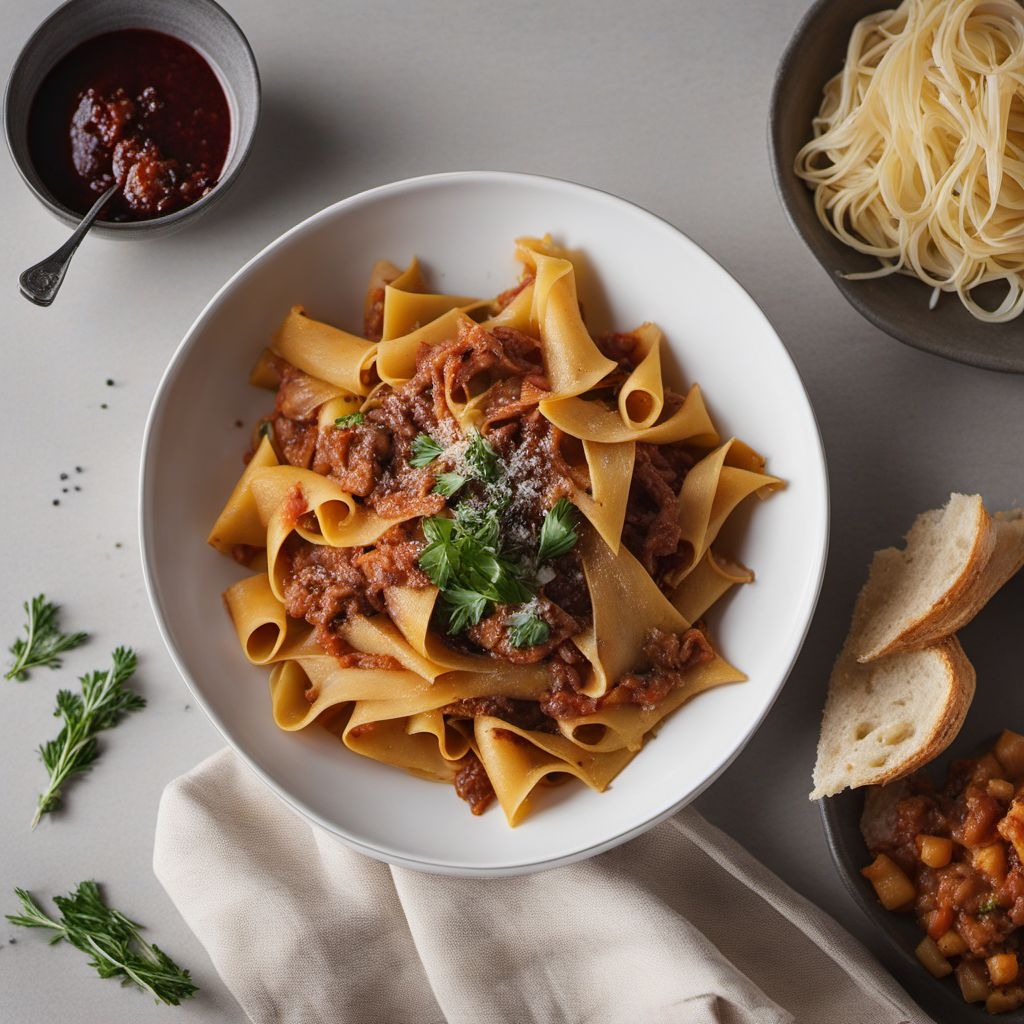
[[680, 925]]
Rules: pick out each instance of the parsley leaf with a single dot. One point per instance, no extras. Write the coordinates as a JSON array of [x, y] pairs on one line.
[[448, 483], [479, 520], [112, 941], [527, 629], [424, 450], [102, 703], [988, 904], [43, 643], [464, 608], [353, 419], [558, 532], [481, 458]]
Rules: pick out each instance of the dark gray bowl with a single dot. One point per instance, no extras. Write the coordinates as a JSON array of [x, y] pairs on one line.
[[939, 996], [202, 24], [897, 305]]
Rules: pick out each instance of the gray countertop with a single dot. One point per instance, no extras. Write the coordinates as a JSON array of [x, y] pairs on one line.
[[663, 103]]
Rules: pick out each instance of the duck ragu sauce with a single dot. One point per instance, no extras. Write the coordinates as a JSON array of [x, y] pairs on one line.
[[372, 460]]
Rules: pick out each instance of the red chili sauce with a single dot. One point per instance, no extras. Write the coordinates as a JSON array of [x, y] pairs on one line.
[[137, 107]]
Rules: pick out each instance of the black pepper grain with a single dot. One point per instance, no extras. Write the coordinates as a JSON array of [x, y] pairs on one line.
[[56, 501], [63, 476], [103, 405], [78, 469], [110, 382]]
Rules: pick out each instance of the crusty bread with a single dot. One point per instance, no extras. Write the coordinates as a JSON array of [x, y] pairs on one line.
[[931, 587], [887, 718]]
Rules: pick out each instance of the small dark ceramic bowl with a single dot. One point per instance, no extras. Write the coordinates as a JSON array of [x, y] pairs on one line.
[[939, 996], [896, 304], [202, 24]]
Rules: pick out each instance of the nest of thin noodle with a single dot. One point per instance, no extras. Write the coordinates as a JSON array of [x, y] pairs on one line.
[[918, 149]]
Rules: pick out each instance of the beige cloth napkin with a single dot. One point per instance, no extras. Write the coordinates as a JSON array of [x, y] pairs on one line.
[[680, 925]]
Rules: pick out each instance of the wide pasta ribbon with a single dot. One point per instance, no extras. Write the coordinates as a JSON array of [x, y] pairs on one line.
[[326, 352], [572, 362], [710, 493], [626, 605], [517, 760], [406, 312], [611, 471], [239, 521], [626, 726], [709, 580], [396, 358], [591, 420]]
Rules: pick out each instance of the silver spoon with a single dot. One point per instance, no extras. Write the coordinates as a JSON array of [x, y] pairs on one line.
[[40, 283]]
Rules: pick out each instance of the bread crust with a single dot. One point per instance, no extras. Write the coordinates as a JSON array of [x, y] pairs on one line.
[[958, 696], [958, 701], [959, 604]]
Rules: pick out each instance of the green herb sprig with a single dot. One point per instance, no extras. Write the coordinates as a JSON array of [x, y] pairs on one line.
[[448, 484], [470, 570], [424, 450], [103, 702], [481, 458], [464, 556], [527, 629], [112, 942], [558, 532], [43, 642], [352, 419]]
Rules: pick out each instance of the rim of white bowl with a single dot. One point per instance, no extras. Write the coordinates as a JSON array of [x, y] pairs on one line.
[[806, 604]]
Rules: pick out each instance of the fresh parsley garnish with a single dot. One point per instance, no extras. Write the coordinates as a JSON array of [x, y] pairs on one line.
[[464, 608], [424, 450], [438, 558], [481, 458], [480, 519], [112, 941], [102, 703], [558, 532], [464, 556], [988, 904], [527, 629], [353, 419], [470, 570], [448, 483], [43, 643]]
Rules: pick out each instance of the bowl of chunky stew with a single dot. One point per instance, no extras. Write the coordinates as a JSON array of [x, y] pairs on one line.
[[938, 862]]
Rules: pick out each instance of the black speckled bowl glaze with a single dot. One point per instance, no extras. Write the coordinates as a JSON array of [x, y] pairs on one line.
[[203, 24], [896, 304]]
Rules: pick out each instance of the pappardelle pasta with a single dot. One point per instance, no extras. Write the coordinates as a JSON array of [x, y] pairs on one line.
[[483, 541]]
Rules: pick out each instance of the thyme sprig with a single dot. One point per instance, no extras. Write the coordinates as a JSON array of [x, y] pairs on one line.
[[111, 940], [43, 642], [103, 701]]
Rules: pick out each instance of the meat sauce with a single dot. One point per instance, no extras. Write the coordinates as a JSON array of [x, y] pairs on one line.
[[954, 857], [372, 459], [139, 108]]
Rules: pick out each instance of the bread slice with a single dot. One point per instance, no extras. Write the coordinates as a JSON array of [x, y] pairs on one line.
[[885, 719], [934, 585]]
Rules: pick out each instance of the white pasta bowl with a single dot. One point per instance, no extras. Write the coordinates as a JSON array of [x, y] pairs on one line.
[[462, 226]]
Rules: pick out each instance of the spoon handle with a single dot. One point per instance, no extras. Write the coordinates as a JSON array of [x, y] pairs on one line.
[[41, 282]]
